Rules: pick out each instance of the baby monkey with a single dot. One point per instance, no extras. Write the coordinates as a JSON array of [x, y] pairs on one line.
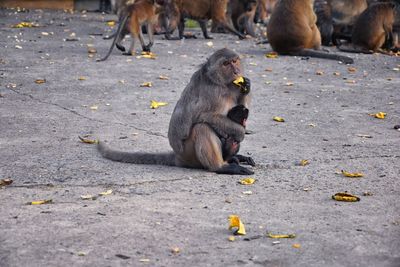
[[239, 114], [230, 146]]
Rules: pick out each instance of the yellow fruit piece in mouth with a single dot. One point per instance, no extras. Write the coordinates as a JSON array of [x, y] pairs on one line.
[[239, 81]]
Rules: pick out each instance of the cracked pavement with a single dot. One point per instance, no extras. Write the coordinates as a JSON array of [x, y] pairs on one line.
[[154, 209]]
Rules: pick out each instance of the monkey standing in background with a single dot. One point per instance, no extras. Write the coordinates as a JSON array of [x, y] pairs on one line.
[[344, 15], [142, 12], [373, 30], [199, 118], [264, 10], [324, 21], [292, 30], [199, 10], [242, 15]]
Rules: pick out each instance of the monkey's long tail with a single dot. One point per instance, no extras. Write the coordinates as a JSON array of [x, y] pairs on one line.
[[137, 157], [319, 54], [120, 27]]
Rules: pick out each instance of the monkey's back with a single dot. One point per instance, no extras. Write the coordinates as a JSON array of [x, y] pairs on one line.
[[289, 28], [370, 25]]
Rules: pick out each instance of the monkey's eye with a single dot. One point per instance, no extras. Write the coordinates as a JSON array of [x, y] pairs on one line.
[[234, 61], [226, 63]]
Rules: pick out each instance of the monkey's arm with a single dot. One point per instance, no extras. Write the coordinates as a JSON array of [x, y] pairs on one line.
[[223, 126]]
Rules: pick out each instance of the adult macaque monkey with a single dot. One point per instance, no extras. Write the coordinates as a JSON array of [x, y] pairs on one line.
[[199, 118], [200, 10], [142, 12], [292, 30], [373, 30]]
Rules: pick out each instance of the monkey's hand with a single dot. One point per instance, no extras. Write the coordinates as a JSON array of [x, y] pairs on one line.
[[244, 84], [245, 88], [223, 126]]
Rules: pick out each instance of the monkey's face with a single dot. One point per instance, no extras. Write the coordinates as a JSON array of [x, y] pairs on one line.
[[231, 69]]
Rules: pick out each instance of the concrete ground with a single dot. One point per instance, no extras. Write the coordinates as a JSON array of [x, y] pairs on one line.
[[154, 211]]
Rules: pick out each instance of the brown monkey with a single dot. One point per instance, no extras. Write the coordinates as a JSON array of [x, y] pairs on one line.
[[119, 7], [264, 10], [292, 30], [200, 10], [344, 15], [239, 14], [199, 118], [373, 30], [142, 12], [242, 15], [324, 21]]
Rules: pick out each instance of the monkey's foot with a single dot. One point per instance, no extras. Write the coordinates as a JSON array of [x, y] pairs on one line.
[[120, 47], [128, 54], [245, 160], [146, 48], [233, 168], [190, 36], [208, 37]]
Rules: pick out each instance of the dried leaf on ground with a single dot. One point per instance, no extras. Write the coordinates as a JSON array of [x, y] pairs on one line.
[[231, 238], [4, 182], [88, 197], [270, 235], [296, 245], [175, 250], [304, 162], [344, 196], [162, 77], [351, 69], [364, 135], [106, 193], [88, 141], [155, 104], [379, 115], [40, 81], [352, 175], [82, 78], [278, 119], [247, 181], [235, 222], [25, 24], [40, 202], [146, 84], [271, 55], [150, 55], [110, 23]]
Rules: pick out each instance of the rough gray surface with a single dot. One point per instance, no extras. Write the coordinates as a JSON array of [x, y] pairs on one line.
[[154, 208]]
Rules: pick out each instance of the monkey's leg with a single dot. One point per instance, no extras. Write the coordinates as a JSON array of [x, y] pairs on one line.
[[203, 26], [151, 37], [141, 39], [171, 26], [181, 27], [119, 40], [249, 27], [208, 152]]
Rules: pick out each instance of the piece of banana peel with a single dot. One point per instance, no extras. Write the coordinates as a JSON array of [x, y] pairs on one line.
[[345, 197], [240, 83], [235, 222], [270, 235]]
